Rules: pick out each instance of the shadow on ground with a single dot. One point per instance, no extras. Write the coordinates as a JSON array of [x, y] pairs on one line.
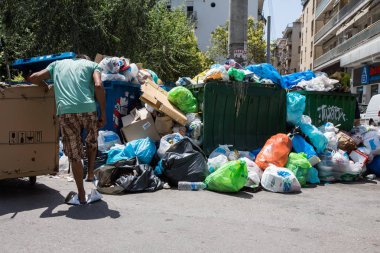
[[18, 196]]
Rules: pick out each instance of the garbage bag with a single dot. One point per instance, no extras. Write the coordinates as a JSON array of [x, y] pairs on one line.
[[127, 177], [277, 179], [371, 141], [275, 151], [266, 71], [184, 161], [254, 173], [183, 99], [315, 136], [217, 72], [345, 142], [236, 74], [231, 177], [143, 149], [301, 145], [289, 81], [312, 176], [374, 166], [300, 166], [295, 106], [166, 142], [110, 65], [215, 163], [154, 75], [320, 83], [221, 150], [232, 63], [107, 139]]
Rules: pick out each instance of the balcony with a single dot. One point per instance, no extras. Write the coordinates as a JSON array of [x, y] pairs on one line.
[[343, 13], [321, 7], [357, 39]]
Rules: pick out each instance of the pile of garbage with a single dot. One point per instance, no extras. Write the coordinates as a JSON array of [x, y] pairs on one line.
[[160, 144]]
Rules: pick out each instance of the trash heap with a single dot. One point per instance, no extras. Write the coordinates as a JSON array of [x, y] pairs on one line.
[[160, 143]]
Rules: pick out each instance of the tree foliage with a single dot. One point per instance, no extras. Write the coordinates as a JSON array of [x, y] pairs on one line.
[[142, 30], [256, 43]]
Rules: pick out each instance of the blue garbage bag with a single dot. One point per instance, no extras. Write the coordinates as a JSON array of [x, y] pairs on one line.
[[267, 71], [288, 81], [312, 176], [295, 106], [374, 166], [301, 145], [143, 149], [315, 136]]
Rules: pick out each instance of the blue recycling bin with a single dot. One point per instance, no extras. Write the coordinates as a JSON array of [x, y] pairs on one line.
[[121, 98]]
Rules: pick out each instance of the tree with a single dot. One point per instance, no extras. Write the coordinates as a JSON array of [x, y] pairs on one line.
[[256, 43]]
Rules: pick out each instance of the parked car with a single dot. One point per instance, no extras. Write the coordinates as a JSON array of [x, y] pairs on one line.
[[372, 114]]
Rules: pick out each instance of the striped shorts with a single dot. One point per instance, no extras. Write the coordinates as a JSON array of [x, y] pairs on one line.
[[72, 125]]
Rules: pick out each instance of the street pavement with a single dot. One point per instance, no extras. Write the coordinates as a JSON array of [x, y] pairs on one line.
[[326, 218]]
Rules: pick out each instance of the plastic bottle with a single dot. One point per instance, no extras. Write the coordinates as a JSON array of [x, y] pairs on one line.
[[191, 186]]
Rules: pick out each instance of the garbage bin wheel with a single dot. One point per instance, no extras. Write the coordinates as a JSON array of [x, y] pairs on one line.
[[32, 180]]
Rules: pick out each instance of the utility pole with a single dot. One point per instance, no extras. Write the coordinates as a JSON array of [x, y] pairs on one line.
[[237, 36], [268, 40]]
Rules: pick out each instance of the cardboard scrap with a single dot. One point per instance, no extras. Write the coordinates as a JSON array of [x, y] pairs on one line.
[[157, 98], [139, 124]]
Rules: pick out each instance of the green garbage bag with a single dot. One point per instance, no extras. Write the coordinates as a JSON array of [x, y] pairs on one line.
[[237, 74], [183, 99], [300, 166], [231, 177]]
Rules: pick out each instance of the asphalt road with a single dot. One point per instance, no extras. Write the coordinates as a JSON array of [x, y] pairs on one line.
[[330, 218]]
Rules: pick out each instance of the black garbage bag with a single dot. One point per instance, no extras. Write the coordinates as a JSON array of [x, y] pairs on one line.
[[126, 177], [184, 161]]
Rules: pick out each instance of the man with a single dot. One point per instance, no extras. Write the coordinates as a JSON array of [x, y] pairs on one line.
[[77, 83]]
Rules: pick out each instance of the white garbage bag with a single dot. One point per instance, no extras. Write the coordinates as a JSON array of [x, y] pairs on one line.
[[277, 179]]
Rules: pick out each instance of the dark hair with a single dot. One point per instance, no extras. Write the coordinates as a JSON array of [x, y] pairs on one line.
[[83, 56]]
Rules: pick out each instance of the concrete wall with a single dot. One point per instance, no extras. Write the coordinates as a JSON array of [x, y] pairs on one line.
[[211, 17], [307, 36], [296, 42]]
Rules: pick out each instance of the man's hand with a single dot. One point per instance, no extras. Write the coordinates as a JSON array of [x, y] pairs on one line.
[[102, 121]]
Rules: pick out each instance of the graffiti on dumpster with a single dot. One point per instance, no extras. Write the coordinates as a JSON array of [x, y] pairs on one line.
[[331, 113]]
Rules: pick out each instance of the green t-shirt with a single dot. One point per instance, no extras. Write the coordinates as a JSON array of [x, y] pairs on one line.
[[73, 85]]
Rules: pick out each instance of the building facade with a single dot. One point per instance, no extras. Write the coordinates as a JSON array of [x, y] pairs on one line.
[[287, 49], [209, 14], [307, 35], [347, 39]]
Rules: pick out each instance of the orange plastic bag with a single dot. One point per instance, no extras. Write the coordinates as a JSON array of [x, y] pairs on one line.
[[275, 151]]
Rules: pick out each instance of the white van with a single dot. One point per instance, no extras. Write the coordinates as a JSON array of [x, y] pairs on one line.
[[372, 115]]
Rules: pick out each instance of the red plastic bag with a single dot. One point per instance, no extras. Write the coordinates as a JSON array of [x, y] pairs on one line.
[[275, 151]]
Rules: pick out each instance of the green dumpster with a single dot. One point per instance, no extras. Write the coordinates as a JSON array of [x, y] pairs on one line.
[[334, 107], [241, 114]]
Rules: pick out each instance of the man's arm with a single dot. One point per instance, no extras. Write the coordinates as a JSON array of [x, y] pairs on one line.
[[100, 97], [39, 77]]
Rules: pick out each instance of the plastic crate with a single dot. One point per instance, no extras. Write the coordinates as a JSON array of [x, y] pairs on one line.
[[334, 107], [241, 114], [38, 63], [121, 98]]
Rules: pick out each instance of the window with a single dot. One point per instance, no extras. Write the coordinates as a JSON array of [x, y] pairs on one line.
[[311, 66], [190, 10], [300, 35], [299, 49], [312, 27], [313, 6], [213, 4]]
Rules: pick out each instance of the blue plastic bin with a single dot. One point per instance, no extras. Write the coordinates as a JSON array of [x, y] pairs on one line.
[[116, 92], [38, 63]]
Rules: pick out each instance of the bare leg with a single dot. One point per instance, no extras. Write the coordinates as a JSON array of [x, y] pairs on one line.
[[78, 176], [91, 156]]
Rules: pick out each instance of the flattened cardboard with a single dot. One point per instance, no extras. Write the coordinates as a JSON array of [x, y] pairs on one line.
[[156, 97], [139, 124], [28, 132]]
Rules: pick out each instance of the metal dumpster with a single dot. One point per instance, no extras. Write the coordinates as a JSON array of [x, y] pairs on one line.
[[334, 107], [28, 132], [242, 114]]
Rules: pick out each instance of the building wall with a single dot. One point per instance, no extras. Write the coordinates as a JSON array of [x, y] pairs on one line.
[[296, 43], [208, 17], [307, 35]]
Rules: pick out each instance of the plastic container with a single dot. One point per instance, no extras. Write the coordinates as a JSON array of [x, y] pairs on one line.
[[191, 186], [38, 63], [121, 98], [337, 108], [242, 114]]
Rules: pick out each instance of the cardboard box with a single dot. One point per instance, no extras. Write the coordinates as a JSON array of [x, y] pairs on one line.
[[157, 97], [139, 124], [28, 132]]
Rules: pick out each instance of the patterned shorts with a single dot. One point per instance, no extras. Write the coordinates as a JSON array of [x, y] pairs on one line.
[[72, 125]]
